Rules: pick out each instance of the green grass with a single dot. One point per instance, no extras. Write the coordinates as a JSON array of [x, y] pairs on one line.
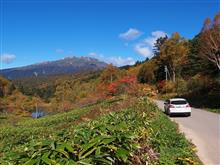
[[216, 110], [139, 133]]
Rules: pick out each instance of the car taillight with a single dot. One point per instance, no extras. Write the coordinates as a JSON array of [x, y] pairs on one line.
[[171, 106], [188, 106]]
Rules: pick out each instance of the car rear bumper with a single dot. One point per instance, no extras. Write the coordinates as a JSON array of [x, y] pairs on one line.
[[180, 110]]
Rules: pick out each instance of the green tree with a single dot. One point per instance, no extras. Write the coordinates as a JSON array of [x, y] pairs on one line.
[[174, 52], [157, 46], [146, 73]]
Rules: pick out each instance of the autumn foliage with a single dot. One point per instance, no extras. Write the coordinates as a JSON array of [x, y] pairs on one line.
[[125, 84], [187, 63], [210, 40]]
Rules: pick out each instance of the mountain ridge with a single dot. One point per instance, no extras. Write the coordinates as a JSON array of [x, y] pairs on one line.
[[66, 65]]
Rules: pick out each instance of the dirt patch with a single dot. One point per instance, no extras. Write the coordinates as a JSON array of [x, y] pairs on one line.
[[145, 155]]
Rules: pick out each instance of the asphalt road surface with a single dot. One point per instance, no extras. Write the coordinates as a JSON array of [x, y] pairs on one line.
[[203, 129]]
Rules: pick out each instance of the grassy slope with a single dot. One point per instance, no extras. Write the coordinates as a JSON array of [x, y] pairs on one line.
[[136, 134]]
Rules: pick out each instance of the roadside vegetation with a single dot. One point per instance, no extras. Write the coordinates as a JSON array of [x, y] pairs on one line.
[[134, 132], [214, 110]]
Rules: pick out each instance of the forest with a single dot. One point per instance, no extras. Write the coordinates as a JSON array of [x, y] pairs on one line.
[[192, 66]]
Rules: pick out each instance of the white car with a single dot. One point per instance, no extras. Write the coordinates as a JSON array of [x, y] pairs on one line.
[[177, 106]]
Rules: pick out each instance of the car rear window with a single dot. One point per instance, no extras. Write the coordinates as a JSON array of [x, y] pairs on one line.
[[178, 102]]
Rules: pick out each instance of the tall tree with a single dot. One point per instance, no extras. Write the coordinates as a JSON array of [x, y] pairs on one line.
[[159, 42], [210, 40], [64, 95], [174, 52], [160, 74], [146, 73], [109, 74], [207, 24]]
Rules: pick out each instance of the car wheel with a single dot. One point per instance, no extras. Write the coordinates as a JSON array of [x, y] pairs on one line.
[[188, 114], [168, 113], [165, 111]]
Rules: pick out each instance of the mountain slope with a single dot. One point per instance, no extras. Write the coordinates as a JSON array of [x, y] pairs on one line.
[[66, 65]]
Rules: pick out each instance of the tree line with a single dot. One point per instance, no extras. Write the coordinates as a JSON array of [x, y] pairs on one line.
[[191, 67]]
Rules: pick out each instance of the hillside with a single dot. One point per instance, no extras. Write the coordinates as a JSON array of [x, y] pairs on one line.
[[14, 105], [64, 66], [120, 130]]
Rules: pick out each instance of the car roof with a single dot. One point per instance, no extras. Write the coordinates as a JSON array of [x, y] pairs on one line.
[[176, 99]]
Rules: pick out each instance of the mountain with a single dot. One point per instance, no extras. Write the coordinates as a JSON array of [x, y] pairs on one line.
[[66, 65]]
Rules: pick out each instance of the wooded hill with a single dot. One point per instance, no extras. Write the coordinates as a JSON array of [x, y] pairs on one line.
[[192, 72], [192, 66], [15, 104]]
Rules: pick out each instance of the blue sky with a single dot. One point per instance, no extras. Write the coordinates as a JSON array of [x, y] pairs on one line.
[[115, 31]]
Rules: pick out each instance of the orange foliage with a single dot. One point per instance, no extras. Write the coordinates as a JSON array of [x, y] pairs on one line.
[[126, 83], [161, 85]]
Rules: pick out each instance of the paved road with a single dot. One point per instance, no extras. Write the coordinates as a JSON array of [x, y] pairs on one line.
[[203, 128]]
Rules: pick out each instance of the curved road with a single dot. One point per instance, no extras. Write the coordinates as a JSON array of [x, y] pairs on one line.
[[203, 129]]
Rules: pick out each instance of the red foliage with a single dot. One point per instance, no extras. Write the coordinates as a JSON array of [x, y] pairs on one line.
[[9, 110], [161, 85], [121, 85], [112, 88], [128, 80]]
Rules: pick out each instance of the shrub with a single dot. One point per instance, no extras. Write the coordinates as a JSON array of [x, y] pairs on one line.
[[161, 85], [149, 91], [181, 86], [168, 87], [126, 84], [198, 83]]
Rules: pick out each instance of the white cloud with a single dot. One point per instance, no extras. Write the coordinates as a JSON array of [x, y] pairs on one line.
[[96, 55], [93, 54], [131, 34], [115, 60], [7, 58], [145, 48], [151, 40], [119, 61], [158, 34]]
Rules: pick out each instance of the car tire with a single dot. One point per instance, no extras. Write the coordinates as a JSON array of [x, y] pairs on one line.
[[189, 114], [165, 111], [168, 113]]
